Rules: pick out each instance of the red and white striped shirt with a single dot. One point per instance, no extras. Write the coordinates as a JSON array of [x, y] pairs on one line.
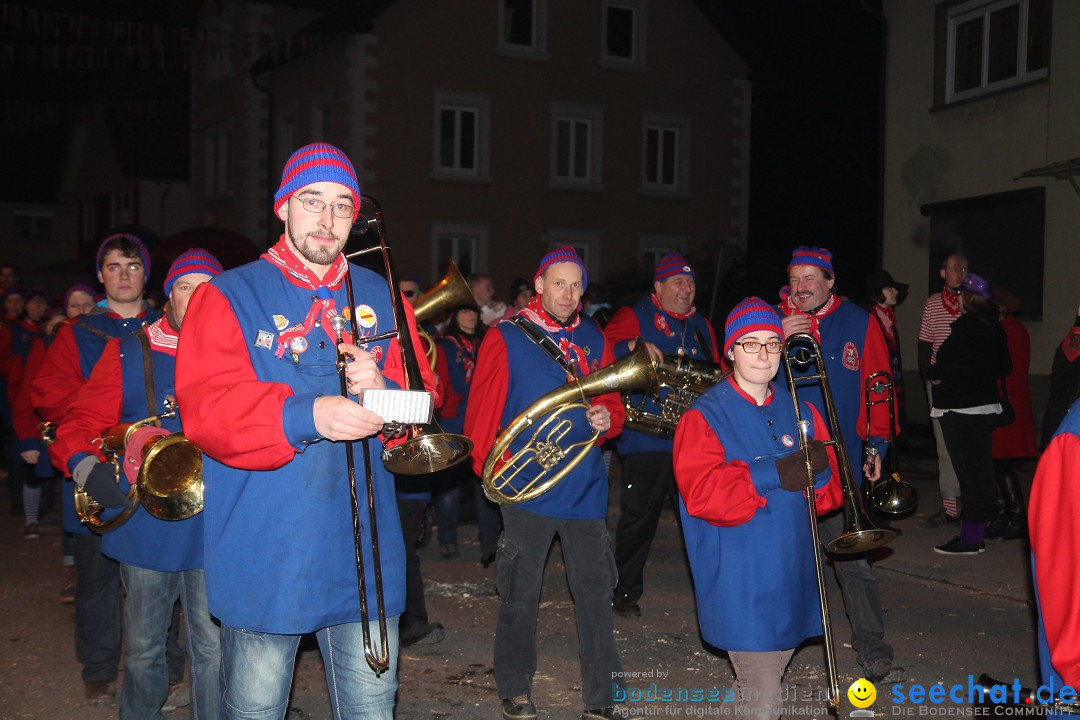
[[937, 319]]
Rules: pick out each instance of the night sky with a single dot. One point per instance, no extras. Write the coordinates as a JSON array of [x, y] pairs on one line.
[[815, 154]]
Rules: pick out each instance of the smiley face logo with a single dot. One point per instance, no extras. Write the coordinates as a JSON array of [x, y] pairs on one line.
[[862, 693]]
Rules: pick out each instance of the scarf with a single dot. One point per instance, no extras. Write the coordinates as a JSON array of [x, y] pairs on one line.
[[1071, 344], [887, 319], [950, 301], [323, 308], [535, 313], [468, 345], [162, 336], [660, 318], [789, 308]]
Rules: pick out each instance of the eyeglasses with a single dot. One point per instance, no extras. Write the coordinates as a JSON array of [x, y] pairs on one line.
[[754, 347], [410, 293], [315, 205]]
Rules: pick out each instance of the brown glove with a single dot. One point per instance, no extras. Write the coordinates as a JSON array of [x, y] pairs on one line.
[[792, 468]]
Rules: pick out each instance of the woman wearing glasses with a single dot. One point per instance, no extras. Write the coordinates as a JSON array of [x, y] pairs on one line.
[[742, 480]]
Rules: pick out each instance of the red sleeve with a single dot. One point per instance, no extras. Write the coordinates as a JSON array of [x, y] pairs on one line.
[[612, 401], [875, 358], [16, 375], [54, 388], [831, 495], [25, 419], [448, 399], [487, 397], [713, 489], [1054, 524], [216, 388], [394, 369], [97, 407], [622, 326]]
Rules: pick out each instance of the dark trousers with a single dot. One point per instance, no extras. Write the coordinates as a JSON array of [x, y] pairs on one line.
[[412, 518], [590, 570], [968, 438], [648, 479], [862, 598], [97, 610]]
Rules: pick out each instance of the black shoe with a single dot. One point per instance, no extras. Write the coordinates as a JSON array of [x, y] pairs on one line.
[[882, 670], [956, 546], [601, 714], [449, 552], [940, 519], [100, 691], [518, 708], [486, 560], [624, 606], [30, 532], [426, 634]]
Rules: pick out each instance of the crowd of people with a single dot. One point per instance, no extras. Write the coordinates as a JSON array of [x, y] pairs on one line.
[[290, 346]]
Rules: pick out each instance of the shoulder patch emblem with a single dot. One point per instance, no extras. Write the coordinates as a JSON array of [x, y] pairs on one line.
[[850, 357]]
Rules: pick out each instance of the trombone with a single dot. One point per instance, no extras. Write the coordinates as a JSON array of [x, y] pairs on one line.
[[889, 494]]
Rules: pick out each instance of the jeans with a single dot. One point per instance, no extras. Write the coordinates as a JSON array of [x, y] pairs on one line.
[[590, 570], [487, 518], [948, 483], [97, 609], [148, 613], [257, 672], [648, 479], [862, 598], [447, 503]]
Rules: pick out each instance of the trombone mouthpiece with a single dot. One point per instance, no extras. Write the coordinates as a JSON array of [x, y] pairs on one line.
[[804, 431], [338, 323]]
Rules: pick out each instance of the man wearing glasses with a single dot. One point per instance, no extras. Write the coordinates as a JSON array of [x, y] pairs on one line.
[[854, 349], [259, 392]]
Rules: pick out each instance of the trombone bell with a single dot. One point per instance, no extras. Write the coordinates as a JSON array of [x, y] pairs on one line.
[[427, 452]]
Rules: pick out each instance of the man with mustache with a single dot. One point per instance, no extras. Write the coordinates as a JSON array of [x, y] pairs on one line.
[[854, 349]]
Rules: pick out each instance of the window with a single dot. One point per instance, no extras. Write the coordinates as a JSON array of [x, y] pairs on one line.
[[461, 136], [623, 34], [665, 154], [217, 163], [576, 132], [585, 242], [994, 45], [464, 243], [523, 29], [33, 226], [654, 247]]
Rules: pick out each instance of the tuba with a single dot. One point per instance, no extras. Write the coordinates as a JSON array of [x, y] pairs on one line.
[[449, 292], [501, 478], [889, 495], [686, 379], [859, 534]]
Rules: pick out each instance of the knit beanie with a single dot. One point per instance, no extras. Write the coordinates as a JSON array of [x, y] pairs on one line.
[[143, 252], [561, 254], [818, 257], [317, 162], [195, 260], [671, 265], [750, 315], [78, 287]]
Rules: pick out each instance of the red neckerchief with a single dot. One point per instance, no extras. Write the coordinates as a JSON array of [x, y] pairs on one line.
[[789, 308], [535, 313], [162, 336], [1071, 344], [298, 274], [660, 321], [887, 318], [468, 346], [950, 301]]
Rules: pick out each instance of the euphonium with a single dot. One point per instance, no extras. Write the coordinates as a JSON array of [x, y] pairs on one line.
[[500, 478], [168, 471], [451, 291], [686, 379], [889, 494], [859, 534]]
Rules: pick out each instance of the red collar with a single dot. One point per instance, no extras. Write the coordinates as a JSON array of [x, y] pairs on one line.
[[747, 397], [284, 257], [677, 316]]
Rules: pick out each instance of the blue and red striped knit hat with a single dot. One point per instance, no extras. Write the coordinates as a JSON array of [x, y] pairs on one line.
[[818, 257], [751, 315], [671, 265], [317, 162], [139, 244], [561, 254], [195, 260], [78, 287]]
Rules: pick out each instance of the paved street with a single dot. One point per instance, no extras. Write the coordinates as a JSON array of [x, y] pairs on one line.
[[947, 617]]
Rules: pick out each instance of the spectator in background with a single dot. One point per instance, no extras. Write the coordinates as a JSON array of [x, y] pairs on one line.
[[491, 310], [1015, 441], [883, 294], [1064, 381], [595, 305], [521, 292], [10, 277]]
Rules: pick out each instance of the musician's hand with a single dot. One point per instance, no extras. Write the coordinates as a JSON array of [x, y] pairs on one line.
[[30, 457], [102, 486], [599, 418], [872, 468], [655, 353], [363, 372], [796, 323], [338, 418], [792, 468]]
